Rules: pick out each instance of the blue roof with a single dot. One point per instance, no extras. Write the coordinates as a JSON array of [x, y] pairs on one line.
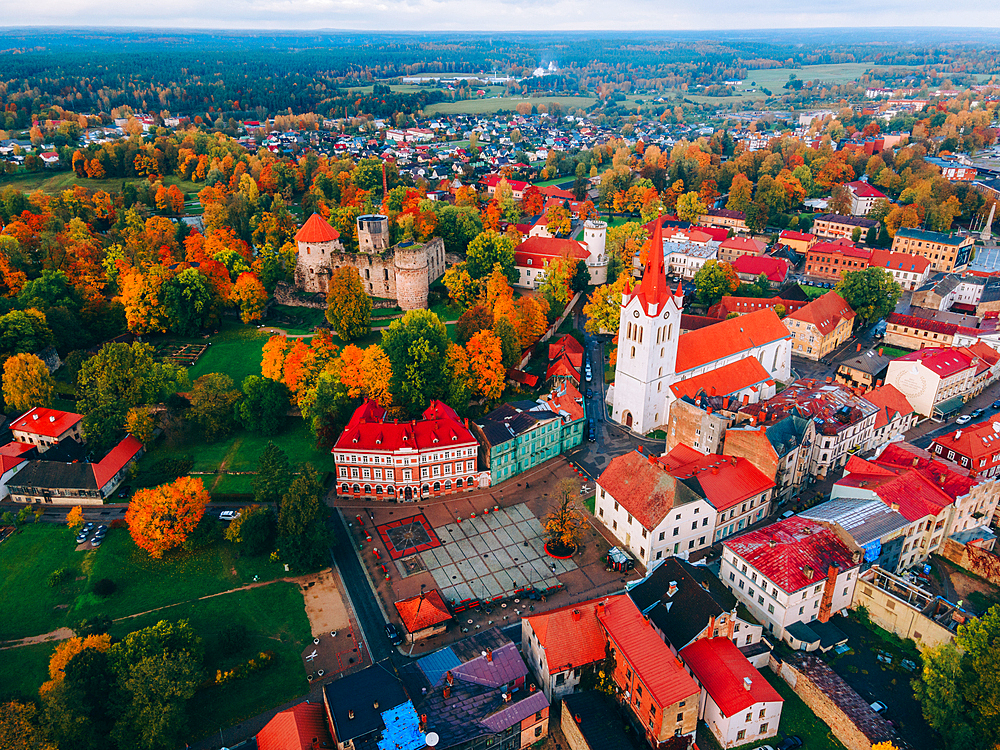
[[435, 665], [402, 729]]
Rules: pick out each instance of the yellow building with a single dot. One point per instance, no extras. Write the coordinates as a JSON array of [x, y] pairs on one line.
[[820, 327]]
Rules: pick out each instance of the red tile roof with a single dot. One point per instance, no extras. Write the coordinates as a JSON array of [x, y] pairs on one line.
[[774, 268], [9, 462], [15, 449], [555, 192], [46, 422], [942, 361], [842, 247], [743, 305], [718, 234], [825, 312], [570, 636], [295, 728], [724, 481], [722, 670], [492, 180], [572, 347], [783, 551], [976, 442], [654, 664], [697, 348], [724, 381], [890, 402], [694, 322], [563, 367], [419, 612], [542, 250], [788, 234], [524, 378], [898, 261], [568, 400], [368, 431], [115, 461], [317, 229], [864, 190], [747, 245], [922, 324], [642, 485], [653, 289]]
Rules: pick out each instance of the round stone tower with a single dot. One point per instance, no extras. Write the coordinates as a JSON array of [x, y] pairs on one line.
[[412, 281], [595, 234], [317, 242], [373, 233]]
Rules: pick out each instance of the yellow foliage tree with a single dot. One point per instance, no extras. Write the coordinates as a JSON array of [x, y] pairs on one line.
[[486, 369], [27, 382], [140, 423], [65, 652], [74, 519]]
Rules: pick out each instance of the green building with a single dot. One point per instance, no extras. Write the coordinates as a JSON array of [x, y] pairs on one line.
[[519, 436]]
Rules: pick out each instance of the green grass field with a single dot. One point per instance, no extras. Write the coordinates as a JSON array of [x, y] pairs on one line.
[[488, 106], [53, 183], [774, 78], [894, 352], [32, 607], [235, 351], [24, 670], [304, 319], [276, 621]]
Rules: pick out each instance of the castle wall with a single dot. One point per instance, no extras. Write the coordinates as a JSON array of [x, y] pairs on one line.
[[312, 271]]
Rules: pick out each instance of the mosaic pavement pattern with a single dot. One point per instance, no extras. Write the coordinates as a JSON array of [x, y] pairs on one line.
[[493, 556], [407, 536]]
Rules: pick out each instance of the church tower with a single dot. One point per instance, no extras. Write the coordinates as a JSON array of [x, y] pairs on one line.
[[649, 328]]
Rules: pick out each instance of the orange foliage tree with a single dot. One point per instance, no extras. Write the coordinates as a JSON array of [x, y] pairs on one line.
[[161, 518], [486, 370], [249, 295], [65, 652]]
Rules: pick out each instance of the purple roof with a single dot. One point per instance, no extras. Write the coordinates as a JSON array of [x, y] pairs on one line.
[[515, 713], [507, 666]]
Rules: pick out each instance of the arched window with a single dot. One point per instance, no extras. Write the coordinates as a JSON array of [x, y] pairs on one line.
[[378, 489], [308, 251], [390, 490], [458, 483], [368, 273], [357, 489], [670, 331], [425, 489], [368, 489], [344, 489], [447, 485], [640, 334], [437, 486]]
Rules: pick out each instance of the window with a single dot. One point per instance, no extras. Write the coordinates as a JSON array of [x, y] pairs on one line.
[[662, 534], [742, 582], [749, 717], [600, 511], [538, 731], [763, 727], [614, 524], [680, 717], [560, 678], [741, 734], [770, 607]]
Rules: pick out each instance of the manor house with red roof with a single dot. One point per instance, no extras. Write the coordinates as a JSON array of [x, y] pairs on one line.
[[654, 355], [406, 460]]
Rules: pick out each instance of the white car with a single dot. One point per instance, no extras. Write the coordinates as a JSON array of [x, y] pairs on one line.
[[879, 707], [229, 515], [964, 419]]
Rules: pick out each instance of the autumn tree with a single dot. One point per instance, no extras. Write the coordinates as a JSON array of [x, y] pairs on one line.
[[477, 318], [213, 398], [714, 280], [690, 207], [64, 653], [140, 424], [556, 284], [249, 295], [487, 250], [21, 727], [532, 319], [486, 370], [161, 518], [74, 519], [27, 382], [462, 290], [603, 308], [740, 193], [510, 341], [564, 525], [416, 346], [349, 308]]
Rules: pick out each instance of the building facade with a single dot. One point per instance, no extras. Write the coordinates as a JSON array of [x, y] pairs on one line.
[[821, 327], [946, 252], [835, 227]]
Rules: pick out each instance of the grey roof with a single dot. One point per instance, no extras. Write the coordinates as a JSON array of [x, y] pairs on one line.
[[968, 535], [854, 221], [360, 692], [865, 520], [871, 362], [505, 423], [598, 720], [787, 433], [56, 475], [991, 291], [926, 234]]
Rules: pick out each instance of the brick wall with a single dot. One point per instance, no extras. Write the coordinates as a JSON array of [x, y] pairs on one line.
[[574, 737], [974, 558]]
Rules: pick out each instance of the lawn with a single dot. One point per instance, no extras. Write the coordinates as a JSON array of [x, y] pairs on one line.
[[488, 106], [32, 607], [235, 351], [275, 620], [774, 78], [813, 291], [296, 320], [53, 183], [797, 718], [24, 670], [893, 352]]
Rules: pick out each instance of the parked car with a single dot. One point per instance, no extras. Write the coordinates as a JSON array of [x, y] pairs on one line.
[[87, 527], [124, 491], [996, 404], [879, 707], [978, 413], [592, 432], [96, 541], [393, 632], [229, 515], [790, 743], [787, 514], [82, 537], [963, 419], [102, 531]]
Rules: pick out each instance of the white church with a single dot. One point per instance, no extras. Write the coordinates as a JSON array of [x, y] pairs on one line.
[[653, 355]]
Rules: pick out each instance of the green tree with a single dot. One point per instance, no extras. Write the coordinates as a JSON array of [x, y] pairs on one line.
[[274, 475], [252, 530], [264, 406], [213, 405], [348, 306], [488, 249], [51, 289], [871, 292], [714, 280], [581, 278], [80, 709], [188, 302], [159, 687], [690, 207], [23, 331], [303, 539], [510, 342], [756, 217], [416, 346]]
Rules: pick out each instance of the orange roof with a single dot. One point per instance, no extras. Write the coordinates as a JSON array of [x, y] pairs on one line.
[[642, 485], [562, 367], [295, 728], [317, 229], [724, 481], [47, 422], [654, 280], [824, 312], [745, 244], [722, 670], [111, 464], [548, 248], [724, 381], [705, 345], [569, 401], [419, 612], [570, 637], [654, 664], [890, 402]]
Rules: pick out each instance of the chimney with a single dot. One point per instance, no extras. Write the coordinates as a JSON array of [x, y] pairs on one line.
[[713, 390], [710, 408], [489, 655], [672, 589], [941, 479], [449, 678], [350, 714], [599, 610], [715, 470], [880, 354], [894, 506], [878, 383], [807, 571], [859, 346], [829, 379], [747, 683], [577, 615], [446, 693], [958, 434], [746, 399], [915, 462], [375, 705], [772, 543]]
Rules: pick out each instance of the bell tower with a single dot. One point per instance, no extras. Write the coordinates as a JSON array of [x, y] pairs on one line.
[[648, 331]]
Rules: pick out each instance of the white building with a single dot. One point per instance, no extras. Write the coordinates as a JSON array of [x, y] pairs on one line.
[[790, 574]]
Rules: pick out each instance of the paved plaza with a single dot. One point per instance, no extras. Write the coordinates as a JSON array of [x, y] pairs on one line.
[[493, 556]]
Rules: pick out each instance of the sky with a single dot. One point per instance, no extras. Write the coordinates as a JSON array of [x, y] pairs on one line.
[[499, 15]]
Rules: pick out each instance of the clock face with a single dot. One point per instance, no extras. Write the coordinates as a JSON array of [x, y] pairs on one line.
[[635, 313], [666, 315]]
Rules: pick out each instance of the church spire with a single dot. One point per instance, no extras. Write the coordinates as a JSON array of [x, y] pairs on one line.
[[654, 279]]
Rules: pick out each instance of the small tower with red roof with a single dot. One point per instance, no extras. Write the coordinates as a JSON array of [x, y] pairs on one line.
[[649, 328], [317, 243]]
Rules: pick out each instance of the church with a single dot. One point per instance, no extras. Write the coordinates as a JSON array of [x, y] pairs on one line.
[[654, 355]]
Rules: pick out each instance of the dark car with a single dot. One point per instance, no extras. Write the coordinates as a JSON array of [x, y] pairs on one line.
[[790, 743], [87, 527], [393, 633], [590, 393], [978, 413], [996, 404], [82, 537], [592, 432]]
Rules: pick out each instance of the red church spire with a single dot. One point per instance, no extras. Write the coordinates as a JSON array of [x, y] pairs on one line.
[[654, 279]]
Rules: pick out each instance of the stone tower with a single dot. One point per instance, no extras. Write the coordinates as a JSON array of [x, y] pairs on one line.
[[412, 279], [987, 233], [594, 236], [648, 331], [373, 233], [317, 243]]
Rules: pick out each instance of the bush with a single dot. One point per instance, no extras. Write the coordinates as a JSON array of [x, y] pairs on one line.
[[60, 575], [96, 625], [104, 587], [164, 471], [232, 639], [205, 534]]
